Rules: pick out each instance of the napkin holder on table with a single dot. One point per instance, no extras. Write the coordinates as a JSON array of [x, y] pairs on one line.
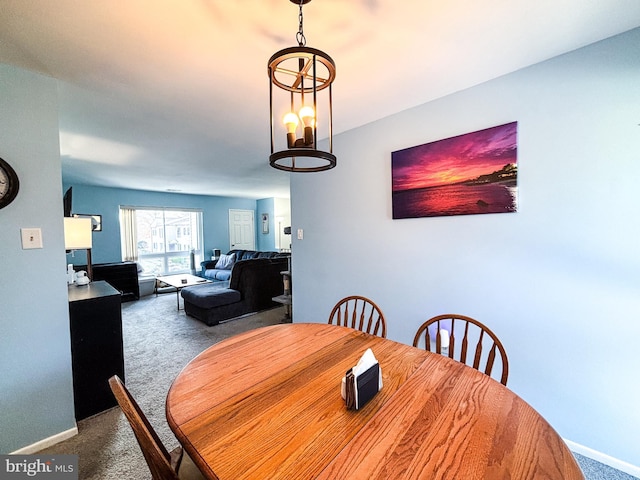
[[362, 382]]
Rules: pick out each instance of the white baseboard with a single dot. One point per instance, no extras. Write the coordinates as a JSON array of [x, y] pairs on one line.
[[47, 442], [603, 458]]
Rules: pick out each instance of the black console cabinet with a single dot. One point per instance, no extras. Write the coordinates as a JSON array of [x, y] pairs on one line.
[[96, 345]]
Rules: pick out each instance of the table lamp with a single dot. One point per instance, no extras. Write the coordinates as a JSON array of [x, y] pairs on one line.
[[77, 236]]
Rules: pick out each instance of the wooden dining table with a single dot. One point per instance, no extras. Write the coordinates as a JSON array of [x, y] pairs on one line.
[[266, 404]]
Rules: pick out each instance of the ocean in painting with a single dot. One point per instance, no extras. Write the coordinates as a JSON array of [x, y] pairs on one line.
[[456, 199]]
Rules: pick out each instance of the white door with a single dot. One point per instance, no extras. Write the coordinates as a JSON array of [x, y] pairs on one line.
[[242, 234]]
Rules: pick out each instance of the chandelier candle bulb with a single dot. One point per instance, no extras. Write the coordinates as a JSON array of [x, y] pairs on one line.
[[291, 122], [307, 115]]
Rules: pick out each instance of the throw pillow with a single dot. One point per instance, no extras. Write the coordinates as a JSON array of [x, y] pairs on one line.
[[225, 262]]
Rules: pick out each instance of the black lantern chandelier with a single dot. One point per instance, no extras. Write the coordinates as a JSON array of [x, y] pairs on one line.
[[300, 93]]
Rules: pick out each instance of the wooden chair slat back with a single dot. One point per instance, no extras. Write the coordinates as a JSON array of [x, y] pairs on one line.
[[491, 359], [474, 331], [359, 313], [476, 358], [438, 341], [155, 453], [452, 339], [465, 341]]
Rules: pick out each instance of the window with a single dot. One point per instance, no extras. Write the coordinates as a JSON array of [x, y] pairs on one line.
[[161, 240]]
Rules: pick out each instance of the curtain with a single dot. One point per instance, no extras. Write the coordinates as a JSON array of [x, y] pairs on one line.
[[129, 234]]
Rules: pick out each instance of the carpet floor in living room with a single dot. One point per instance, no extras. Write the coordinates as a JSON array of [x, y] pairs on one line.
[[158, 342]]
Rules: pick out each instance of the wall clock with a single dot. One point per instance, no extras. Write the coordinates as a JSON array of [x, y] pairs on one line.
[[9, 184]]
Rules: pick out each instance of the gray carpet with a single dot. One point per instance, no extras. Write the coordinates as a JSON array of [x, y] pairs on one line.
[[158, 342], [597, 471]]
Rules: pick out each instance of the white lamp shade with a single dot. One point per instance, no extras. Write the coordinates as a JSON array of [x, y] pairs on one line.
[[77, 233]]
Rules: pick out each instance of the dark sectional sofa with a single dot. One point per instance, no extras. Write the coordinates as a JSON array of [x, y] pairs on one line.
[[210, 271], [253, 283]]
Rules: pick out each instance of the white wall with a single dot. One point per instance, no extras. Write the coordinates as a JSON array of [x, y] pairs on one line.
[[558, 281], [36, 393]]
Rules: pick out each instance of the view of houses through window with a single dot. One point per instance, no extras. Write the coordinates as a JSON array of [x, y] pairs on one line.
[[166, 238]]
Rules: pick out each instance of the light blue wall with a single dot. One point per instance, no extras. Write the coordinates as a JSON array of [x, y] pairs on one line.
[[559, 281], [36, 392], [107, 201], [266, 241]]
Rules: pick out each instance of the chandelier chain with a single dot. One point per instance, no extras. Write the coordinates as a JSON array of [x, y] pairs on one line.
[[302, 41]]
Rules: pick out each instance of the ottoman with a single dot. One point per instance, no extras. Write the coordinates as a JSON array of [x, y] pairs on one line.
[[209, 303]]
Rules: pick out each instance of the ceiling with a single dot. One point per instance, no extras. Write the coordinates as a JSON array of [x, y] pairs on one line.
[[172, 95]]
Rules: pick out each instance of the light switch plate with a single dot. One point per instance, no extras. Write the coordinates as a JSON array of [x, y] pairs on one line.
[[300, 234], [31, 238]]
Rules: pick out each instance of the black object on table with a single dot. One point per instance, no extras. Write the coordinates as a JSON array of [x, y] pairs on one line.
[[123, 276]]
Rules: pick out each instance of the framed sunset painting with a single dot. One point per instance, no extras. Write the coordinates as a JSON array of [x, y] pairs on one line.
[[469, 174]]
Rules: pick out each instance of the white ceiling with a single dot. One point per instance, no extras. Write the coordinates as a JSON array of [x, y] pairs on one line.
[[173, 94]]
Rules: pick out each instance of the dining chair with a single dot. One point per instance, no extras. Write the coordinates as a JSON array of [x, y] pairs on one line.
[[164, 465], [447, 329], [359, 313]]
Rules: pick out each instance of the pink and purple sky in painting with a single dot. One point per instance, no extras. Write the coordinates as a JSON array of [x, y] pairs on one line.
[[454, 159]]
